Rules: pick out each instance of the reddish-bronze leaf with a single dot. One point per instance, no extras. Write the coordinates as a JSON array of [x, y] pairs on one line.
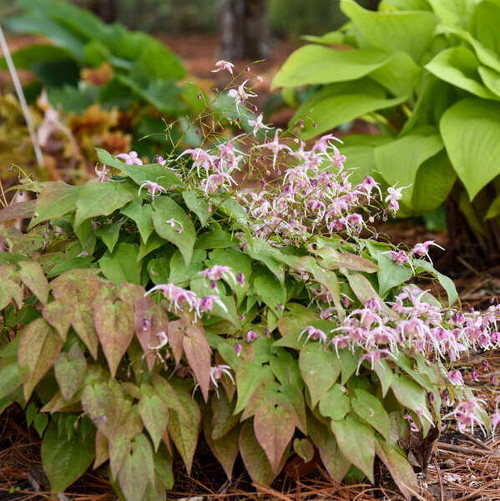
[[33, 277], [176, 333], [274, 426], [101, 449], [130, 293], [76, 287], [58, 315], [198, 354], [38, 349], [83, 323], [255, 459], [149, 320], [114, 323]]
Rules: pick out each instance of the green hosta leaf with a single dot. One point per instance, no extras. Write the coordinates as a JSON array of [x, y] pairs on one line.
[[55, 200], [370, 409], [70, 369], [142, 215], [399, 467], [140, 173], [334, 403], [493, 209], [357, 442], [473, 150], [434, 182], [114, 323], [197, 204], [491, 79], [32, 276], [399, 75], [122, 265], [65, 459], [255, 459], [102, 199], [38, 350], [198, 354], [409, 31], [485, 24], [399, 161], [314, 64], [137, 469], [340, 103], [336, 464], [166, 210], [320, 369], [249, 376], [458, 66], [274, 426], [184, 428]]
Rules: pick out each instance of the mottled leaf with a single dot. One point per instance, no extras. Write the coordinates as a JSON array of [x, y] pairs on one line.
[[70, 368], [58, 315], [198, 354], [154, 413], [32, 276]]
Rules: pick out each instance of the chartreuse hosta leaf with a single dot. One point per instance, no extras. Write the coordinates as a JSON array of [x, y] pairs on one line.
[[474, 150]]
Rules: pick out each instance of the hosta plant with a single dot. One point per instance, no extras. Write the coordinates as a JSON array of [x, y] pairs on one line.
[[160, 305], [428, 72]]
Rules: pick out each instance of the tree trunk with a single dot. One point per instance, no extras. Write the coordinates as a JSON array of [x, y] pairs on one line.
[[105, 9], [245, 33]]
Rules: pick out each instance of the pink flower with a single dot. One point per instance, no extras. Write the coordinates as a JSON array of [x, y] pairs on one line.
[[275, 146], [223, 65], [175, 225], [207, 303], [314, 334], [422, 249], [176, 295], [399, 257], [217, 272], [153, 188], [393, 197], [163, 341], [237, 349], [218, 371], [257, 124], [103, 174], [131, 158], [200, 159], [240, 95], [455, 377], [251, 336]]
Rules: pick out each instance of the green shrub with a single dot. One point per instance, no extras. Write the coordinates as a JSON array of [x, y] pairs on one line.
[[270, 325], [427, 72]]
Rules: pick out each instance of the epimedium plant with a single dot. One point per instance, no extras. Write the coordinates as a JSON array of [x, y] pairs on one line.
[[162, 303], [421, 69]]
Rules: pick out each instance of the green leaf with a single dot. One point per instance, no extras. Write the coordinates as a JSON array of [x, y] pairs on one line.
[[32, 276], [340, 103], [370, 409], [458, 66], [179, 273], [102, 199], [197, 204], [55, 200], [407, 31], [165, 213], [304, 449], [314, 64], [446, 282], [156, 173], [357, 442], [399, 467], [114, 323], [70, 369], [320, 369], [35, 54], [268, 288], [142, 215], [40, 423], [11, 377], [411, 395], [493, 209], [400, 160], [122, 265], [38, 350], [154, 414], [491, 79], [473, 150], [65, 459], [249, 376], [109, 233], [334, 404], [254, 458]]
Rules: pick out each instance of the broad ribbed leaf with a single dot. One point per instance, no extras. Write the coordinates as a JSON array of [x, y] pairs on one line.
[[38, 350], [114, 323], [70, 368], [55, 200], [314, 64], [173, 224], [473, 150], [320, 368], [357, 442]]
